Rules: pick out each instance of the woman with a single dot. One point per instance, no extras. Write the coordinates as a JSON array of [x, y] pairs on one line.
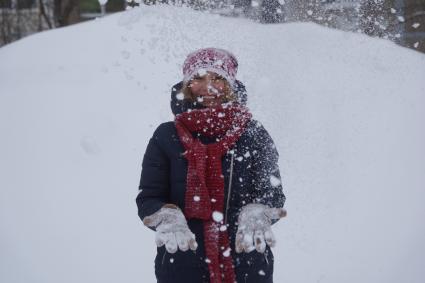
[[210, 184]]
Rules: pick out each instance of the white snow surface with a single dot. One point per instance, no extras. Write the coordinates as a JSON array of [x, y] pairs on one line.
[[79, 104]]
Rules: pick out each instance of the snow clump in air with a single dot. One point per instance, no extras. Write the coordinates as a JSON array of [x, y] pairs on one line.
[[274, 181], [217, 216], [180, 96], [226, 253]]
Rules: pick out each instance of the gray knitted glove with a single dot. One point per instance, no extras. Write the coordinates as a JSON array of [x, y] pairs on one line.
[[254, 227], [171, 229]]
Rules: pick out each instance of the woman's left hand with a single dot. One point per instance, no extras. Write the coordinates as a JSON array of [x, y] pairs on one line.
[[254, 227]]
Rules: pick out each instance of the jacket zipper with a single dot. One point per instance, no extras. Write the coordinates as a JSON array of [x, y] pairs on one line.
[[163, 257], [228, 200], [230, 188]]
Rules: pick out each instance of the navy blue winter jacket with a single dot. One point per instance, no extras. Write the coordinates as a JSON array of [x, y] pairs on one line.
[[255, 178]]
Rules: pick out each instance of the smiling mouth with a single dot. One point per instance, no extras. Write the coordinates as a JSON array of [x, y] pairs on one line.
[[208, 97]]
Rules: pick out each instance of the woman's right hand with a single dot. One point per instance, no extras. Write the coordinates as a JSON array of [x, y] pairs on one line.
[[171, 229]]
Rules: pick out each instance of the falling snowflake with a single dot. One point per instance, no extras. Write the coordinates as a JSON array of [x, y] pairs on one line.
[[196, 198], [217, 216], [416, 25], [274, 181], [226, 253]]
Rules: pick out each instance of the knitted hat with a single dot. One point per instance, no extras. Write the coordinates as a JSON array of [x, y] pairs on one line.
[[214, 60]]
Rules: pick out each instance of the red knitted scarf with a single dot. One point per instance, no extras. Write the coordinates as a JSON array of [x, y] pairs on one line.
[[204, 197]]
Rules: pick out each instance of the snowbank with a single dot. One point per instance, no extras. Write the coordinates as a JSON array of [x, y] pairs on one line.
[[78, 105]]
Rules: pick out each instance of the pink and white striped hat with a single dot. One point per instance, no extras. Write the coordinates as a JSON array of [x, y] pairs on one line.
[[215, 60]]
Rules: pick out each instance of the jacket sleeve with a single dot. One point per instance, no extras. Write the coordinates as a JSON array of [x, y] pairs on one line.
[[154, 180], [267, 181]]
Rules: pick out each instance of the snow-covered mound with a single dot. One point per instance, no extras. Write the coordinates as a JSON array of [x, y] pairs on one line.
[[78, 105]]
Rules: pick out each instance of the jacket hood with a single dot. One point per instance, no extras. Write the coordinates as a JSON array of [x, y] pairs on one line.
[[179, 105]]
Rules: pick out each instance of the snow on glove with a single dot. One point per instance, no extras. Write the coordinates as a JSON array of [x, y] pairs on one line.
[[171, 229], [254, 227]]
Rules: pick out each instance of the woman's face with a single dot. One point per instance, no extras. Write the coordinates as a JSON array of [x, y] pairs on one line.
[[208, 89]]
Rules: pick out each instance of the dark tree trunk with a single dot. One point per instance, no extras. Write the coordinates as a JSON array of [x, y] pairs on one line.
[[67, 12]]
